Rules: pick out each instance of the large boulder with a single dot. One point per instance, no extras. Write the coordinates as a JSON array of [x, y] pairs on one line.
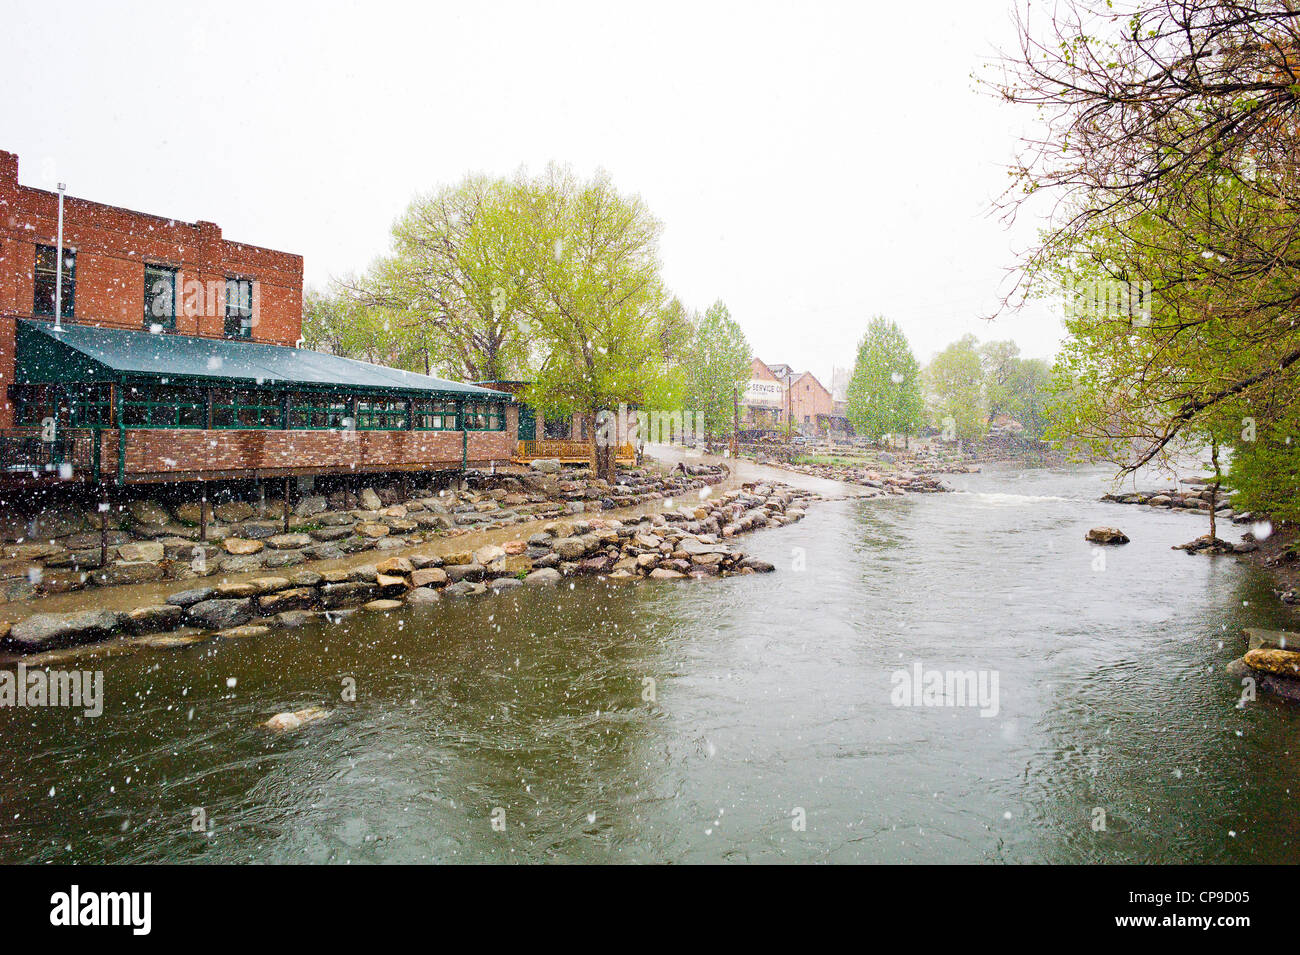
[[232, 512], [153, 619], [370, 500], [1106, 535], [45, 630], [569, 548], [1278, 662], [220, 613], [144, 550], [240, 547], [546, 465], [149, 512]]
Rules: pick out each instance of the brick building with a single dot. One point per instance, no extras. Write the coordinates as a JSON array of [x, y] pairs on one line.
[[173, 359], [778, 396]]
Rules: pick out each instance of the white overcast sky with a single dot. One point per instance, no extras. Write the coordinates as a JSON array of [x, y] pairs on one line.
[[814, 163]]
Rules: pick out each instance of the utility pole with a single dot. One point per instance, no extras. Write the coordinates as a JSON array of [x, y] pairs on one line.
[[58, 267]]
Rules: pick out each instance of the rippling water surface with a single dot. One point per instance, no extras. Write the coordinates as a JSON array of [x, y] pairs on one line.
[[772, 701]]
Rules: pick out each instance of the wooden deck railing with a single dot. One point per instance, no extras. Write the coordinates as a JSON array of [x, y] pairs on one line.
[[569, 452]]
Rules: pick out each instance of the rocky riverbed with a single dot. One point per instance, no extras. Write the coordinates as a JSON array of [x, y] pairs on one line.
[[691, 540], [61, 547], [878, 482]]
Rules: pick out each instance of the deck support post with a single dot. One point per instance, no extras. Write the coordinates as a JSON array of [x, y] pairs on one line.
[[103, 527], [203, 511], [286, 505]]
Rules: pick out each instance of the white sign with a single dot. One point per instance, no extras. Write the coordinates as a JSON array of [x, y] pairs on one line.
[[767, 394]]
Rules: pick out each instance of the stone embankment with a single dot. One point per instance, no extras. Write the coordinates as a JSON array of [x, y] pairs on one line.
[[62, 548], [1194, 496], [878, 483], [691, 540]]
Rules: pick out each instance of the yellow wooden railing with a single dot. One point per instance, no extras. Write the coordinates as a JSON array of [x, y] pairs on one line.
[[569, 452]]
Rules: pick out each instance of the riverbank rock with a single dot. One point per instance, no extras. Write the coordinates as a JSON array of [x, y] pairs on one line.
[[220, 613], [44, 630], [1205, 544], [291, 721], [1278, 662], [1106, 535]]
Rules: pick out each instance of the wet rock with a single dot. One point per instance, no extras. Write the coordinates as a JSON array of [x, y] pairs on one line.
[[149, 512], [423, 595], [282, 722], [295, 598], [352, 594], [241, 547], [313, 504], [154, 619], [331, 533], [258, 530], [242, 564], [569, 548], [397, 566], [757, 565], [236, 589], [244, 630], [370, 500], [464, 588], [429, 577], [284, 558], [546, 465], [1258, 639], [220, 613], [489, 555], [373, 531], [382, 604], [460, 572], [294, 619], [289, 541], [305, 578], [505, 583], [1106, 535], [1285, 663], [664, 573], [187, 598], [232, 512], [129, 572], [45, 630]]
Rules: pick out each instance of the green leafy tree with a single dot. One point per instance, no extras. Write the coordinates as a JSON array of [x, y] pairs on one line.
[[884, 392], [599, 303], [456, 283], [955, 379], [717, 368]]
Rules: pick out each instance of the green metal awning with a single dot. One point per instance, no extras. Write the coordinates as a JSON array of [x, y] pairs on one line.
[[89, 353]]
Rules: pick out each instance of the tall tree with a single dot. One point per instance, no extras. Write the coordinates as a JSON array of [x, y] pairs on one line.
[[884, 392], [599, 302], [717, 367], [955, 379], [457, 280]]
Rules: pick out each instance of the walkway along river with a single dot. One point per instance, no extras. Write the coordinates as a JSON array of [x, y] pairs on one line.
[[516, 728]]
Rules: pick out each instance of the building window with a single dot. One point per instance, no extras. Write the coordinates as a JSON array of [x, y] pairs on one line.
[[43, 287], [318, 413], [157, 406], [239, 308], [484, 416], [434, 415], [381, 415], [159, 298], [247, 409]]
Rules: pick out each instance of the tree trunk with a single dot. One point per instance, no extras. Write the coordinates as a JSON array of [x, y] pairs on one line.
[[1214, 489]]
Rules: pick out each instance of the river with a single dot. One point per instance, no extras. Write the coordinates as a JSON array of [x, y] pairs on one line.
[[516, 728]]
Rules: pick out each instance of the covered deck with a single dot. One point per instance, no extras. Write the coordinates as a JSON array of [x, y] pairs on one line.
[[112, 405]]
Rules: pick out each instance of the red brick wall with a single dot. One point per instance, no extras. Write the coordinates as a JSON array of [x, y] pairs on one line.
[[113, 246], [158, 452]]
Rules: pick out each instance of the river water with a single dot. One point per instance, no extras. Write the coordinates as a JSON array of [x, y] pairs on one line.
[[517, 729]]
